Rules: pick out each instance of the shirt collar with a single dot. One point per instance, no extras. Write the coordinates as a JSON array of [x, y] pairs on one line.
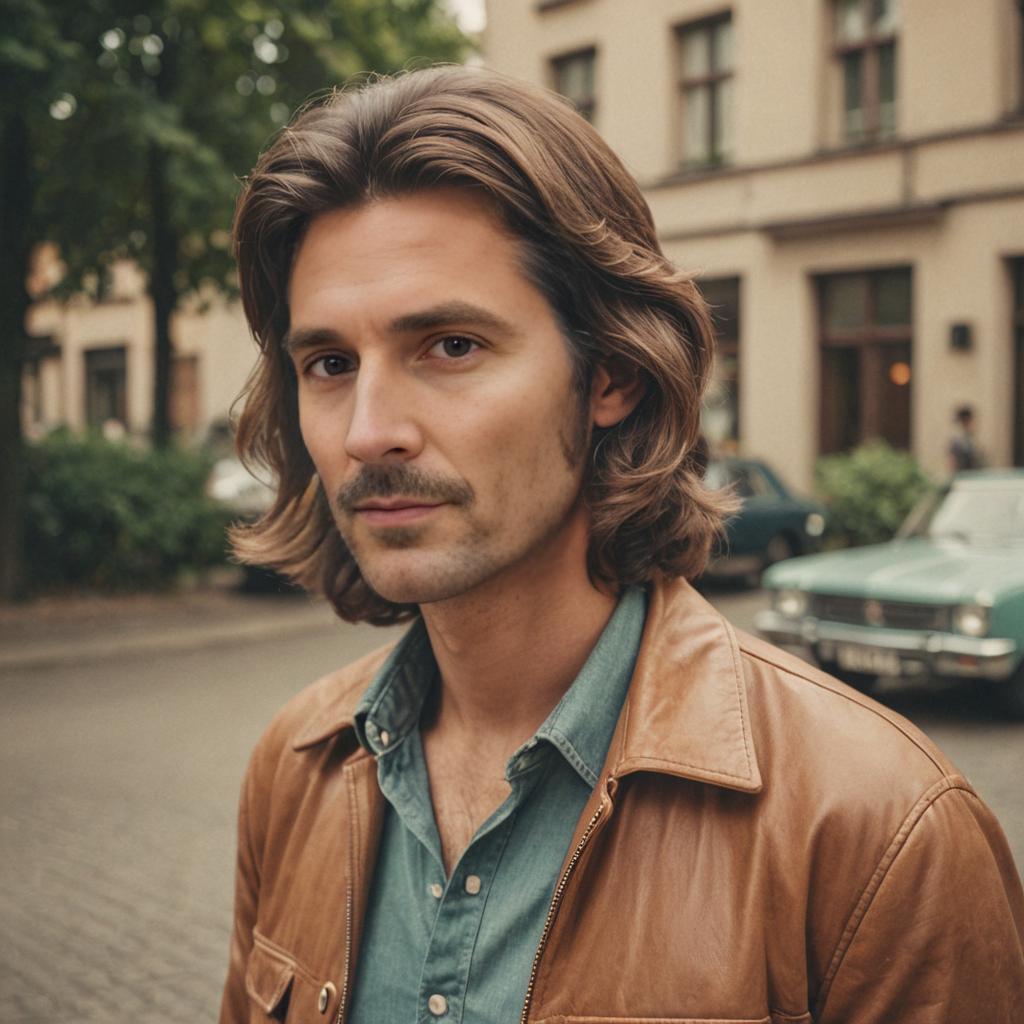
[[580, 726], [687, 713], [390, 708]]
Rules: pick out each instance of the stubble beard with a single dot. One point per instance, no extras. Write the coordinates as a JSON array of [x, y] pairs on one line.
[[475, 559]]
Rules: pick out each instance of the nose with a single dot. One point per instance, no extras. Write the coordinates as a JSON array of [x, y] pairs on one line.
[[382, 427]]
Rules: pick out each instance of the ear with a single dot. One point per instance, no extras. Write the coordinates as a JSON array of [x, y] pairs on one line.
[[615, 392]]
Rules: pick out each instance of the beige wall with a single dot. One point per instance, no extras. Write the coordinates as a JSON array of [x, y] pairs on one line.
[[945, 197], [215, 333]]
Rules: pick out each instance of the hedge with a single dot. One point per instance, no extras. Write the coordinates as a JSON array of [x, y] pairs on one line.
[[108, 516]]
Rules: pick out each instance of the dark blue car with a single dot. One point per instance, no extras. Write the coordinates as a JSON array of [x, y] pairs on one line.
[[773, 524]]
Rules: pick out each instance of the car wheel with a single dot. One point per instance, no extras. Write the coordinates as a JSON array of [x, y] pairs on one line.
[[863, 681]]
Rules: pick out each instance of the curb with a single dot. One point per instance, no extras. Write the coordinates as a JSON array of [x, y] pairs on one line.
[[48, 654]]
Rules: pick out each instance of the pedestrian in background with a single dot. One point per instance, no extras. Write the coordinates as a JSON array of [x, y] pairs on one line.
[[963, 449]]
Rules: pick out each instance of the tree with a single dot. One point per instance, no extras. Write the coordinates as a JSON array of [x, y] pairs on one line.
[[126, 126]]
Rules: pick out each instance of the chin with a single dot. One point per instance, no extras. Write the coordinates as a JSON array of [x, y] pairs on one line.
[[426, 580]]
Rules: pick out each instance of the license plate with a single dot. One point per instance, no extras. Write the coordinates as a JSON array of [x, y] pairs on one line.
[[867, 659]]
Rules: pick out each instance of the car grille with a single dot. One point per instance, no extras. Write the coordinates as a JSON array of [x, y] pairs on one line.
[[894, 614]]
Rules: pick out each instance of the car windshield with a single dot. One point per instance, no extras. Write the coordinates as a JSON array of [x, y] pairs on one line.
[[989, 512]]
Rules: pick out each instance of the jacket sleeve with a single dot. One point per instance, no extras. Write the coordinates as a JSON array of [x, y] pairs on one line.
[[234, 1007], [938, 935]]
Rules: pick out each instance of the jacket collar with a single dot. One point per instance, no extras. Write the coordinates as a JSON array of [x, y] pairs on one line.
[[686, 712]]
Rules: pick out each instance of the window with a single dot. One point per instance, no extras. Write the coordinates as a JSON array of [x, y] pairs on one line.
[[705, 85], [1017, 270], [865, 358], [573, 77], [865, 48], [721, 414], [184, 396], [105, 380]]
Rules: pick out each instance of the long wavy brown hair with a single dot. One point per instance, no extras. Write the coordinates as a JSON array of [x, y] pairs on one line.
[[588, 243]]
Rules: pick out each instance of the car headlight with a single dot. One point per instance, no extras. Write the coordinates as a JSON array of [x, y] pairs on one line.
[[971, 620], [814, 524], [790, 603]]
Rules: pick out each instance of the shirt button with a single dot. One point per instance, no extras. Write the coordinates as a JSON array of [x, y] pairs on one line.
[[437, 1005], [435, 890], [472, 884], [324, 999], [385, 737]]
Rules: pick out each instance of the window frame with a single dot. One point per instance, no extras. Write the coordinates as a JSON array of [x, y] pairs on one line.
[[90, 357], [868, 342], [587, 109], [712, 81], [869, 47]]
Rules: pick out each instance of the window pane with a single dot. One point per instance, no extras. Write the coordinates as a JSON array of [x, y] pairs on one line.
[[893, 299], [720, 416], [723, 119], [853, 101], [698, 123], [574, 79], [887, 89], [850, 25], [885, 16], [846, 302], [696, 52], [895, 388], [841, 390], [721, 53], [722, 294]]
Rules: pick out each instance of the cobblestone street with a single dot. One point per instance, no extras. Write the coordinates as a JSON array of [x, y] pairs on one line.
[[118, 782]]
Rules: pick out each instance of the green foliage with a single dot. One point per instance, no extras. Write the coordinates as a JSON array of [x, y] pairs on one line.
[[108, 516], [119, 93], [869, 491]]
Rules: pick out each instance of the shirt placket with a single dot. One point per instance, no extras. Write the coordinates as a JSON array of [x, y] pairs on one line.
[[461, 904]]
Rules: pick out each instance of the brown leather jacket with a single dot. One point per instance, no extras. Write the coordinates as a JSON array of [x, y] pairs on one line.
[[765, 846]]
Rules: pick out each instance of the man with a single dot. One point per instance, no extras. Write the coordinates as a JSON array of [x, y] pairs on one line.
[[571, 792], [963, 449]]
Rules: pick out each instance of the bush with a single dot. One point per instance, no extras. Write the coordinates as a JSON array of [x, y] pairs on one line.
[[869, 491], [105, 515]]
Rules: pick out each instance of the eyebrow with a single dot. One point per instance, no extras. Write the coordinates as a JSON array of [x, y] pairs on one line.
[[442, 315]]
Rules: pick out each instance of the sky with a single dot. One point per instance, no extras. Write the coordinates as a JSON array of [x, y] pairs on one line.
[[469, 14]]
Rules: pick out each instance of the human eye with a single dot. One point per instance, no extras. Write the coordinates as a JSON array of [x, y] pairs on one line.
[[328, 365], [453, 346]]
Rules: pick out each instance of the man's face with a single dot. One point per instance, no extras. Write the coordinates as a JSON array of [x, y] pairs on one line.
[[435, 396]]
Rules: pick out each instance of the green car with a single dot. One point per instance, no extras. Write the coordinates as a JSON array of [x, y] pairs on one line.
[[945, 599]]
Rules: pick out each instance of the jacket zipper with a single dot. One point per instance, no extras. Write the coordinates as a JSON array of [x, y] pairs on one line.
[[343, 1001], [556, 900]]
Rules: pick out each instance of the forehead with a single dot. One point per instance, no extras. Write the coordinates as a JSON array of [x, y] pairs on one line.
[[444, 238]]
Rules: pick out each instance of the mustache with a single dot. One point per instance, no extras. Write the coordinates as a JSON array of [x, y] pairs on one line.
[[408, 481]]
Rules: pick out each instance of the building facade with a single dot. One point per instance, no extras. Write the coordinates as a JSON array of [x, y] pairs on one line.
[[90, 363], [846, 177]]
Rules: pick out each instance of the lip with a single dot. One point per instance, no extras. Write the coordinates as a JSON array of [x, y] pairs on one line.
[[395, 513]]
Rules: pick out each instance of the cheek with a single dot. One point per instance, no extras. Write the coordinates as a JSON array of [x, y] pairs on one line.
[[321, 439]]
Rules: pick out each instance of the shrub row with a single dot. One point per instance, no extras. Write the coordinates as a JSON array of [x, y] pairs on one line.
[[869, 492], [108, 516]]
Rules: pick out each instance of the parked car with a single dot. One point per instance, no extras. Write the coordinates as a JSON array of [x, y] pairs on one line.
[[773, 524], [248, 498], [945, 599]]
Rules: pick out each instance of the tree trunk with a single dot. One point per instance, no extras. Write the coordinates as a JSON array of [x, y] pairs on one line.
[[15, 251], [163, 293]]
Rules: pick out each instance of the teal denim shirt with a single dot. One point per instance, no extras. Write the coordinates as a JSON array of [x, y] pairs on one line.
[[460, 949]]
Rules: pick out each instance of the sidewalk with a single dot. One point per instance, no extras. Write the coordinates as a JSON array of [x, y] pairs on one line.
[[54, 631]]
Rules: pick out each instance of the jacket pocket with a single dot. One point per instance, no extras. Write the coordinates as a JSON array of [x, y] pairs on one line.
[[268, 979]]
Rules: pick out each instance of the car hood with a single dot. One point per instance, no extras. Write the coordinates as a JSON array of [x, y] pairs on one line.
[[918, 570]]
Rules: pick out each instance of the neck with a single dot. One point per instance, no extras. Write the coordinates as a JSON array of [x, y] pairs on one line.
[[509, 651]]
